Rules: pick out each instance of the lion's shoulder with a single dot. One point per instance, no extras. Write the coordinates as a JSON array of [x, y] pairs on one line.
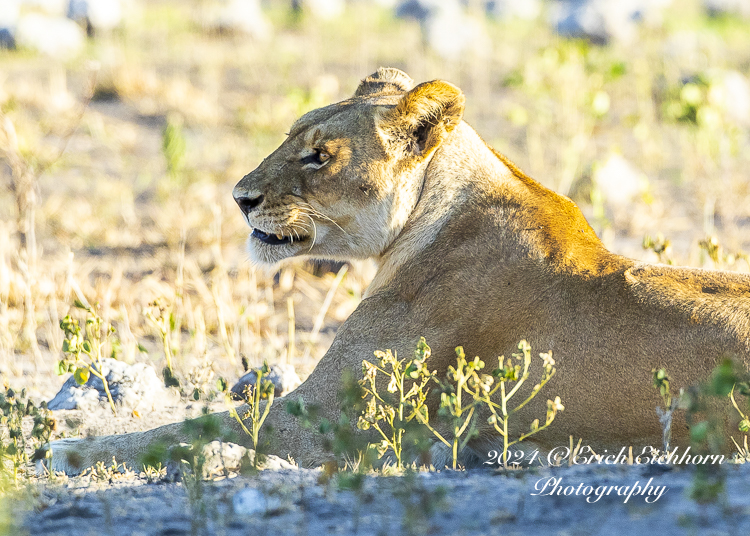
[[556, 226]]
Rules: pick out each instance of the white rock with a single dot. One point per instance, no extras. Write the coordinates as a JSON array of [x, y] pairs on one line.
[[245, 16], [682, 44], [10, 11], [446, 27], [619, 182], [74, 397], [271, 462], [513, 9], [729, 91], [250, 501], [602, 21], [49, 7], [282, 375], [727, 7], [454, 34], [57, 37], [133, 387], [324, 9], [387, 4], [222, 456], [103, 15], [417, 9]]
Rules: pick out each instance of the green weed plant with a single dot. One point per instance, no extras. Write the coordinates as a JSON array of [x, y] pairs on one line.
[[82, 348], [462, 393], [706, 421], [14, 451], [163, 319], [455, 409], [510, 376], [339, 439], [263, 390], [389, 413], [173, 147], [744, 424]]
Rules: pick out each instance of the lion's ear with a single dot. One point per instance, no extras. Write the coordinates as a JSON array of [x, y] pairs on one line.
[[423, 117], [385, 80]]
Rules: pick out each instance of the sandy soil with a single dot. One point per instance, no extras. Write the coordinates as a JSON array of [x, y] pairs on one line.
[[473, 502], [299, 501]]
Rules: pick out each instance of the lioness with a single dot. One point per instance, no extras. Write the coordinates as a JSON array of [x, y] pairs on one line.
[[470, 252]]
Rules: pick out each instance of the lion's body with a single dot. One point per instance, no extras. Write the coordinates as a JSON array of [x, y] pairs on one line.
[[472, 252]]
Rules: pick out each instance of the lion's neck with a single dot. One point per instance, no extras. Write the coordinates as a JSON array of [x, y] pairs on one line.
[[462, 162], [468, 179]]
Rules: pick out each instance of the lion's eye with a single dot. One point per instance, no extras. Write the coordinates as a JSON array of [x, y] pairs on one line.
[[317, 157]]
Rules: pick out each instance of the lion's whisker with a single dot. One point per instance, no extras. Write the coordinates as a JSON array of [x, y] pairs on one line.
[[316, 212], [315, 232]]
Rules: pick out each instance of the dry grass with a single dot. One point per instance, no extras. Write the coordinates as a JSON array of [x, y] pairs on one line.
[[110, 217]]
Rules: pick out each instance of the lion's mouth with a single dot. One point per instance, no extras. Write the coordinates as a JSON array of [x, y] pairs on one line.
[[276, 239]]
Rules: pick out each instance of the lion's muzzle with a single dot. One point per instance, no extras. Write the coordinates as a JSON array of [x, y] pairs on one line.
[[247, 203]]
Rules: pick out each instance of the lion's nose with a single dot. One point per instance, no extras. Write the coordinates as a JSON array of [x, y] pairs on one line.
[[247, 204]]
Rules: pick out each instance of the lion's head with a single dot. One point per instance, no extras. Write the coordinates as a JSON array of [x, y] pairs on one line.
[[344, 182]]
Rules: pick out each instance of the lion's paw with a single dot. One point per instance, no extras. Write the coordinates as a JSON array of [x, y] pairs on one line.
[[66, 457]]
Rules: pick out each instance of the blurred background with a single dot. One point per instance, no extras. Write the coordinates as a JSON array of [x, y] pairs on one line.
[[124, 125]]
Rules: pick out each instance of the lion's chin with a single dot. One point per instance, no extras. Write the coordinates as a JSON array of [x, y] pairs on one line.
[[264, 253]]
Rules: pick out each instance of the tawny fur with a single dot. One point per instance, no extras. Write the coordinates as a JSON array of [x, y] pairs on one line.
[[471, 252]]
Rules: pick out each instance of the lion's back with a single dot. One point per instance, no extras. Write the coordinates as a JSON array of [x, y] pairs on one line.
[[702, 297]]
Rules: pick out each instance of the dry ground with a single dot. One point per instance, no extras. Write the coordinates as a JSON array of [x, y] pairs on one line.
[[132, 148]]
